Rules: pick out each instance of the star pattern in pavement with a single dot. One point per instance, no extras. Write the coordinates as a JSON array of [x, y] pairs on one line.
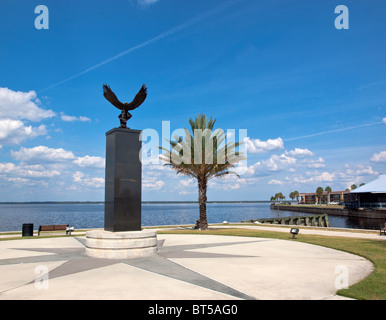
[[159, 263]]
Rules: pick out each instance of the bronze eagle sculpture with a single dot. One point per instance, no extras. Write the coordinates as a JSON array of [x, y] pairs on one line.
[[125, 107]]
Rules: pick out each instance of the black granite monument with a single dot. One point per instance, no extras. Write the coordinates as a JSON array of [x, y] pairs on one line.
[[123, 187]]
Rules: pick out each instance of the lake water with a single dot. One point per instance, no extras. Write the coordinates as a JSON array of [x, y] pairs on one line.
[[91, 215]]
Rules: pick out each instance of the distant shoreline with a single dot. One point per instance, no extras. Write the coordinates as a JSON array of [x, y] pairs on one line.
[[143, 202]]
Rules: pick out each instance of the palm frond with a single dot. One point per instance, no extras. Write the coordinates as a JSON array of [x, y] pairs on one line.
[[202, 153]]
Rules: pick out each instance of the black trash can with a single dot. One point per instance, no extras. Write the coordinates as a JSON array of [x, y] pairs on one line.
[[28, 230]]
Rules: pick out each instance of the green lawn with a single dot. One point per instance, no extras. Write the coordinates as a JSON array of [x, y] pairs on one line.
[[371, 288]]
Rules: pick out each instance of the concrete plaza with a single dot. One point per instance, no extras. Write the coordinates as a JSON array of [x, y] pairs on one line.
[[186, 267]]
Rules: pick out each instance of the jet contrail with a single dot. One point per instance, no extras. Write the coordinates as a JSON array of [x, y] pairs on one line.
[[333, 131], [174, 30]]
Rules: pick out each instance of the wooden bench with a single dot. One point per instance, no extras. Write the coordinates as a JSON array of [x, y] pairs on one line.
[[383, 230], [56, 227]]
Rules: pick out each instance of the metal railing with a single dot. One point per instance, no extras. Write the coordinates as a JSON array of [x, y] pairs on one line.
[[366, 205]]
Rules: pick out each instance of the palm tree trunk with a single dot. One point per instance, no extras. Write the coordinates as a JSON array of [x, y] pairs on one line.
[[202, 186]]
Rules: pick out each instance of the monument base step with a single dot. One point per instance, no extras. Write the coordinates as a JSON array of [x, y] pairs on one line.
[[121, 245]]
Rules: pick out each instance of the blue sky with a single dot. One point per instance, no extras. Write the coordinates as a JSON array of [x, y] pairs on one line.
[[311, 97]]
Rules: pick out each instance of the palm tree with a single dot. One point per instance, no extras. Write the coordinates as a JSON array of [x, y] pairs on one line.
[[319, 193], [294, 194], [328, 190], [279, 196], [203, 155]]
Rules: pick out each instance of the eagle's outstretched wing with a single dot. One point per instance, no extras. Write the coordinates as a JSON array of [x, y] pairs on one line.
[[138, 100], [112, 98]]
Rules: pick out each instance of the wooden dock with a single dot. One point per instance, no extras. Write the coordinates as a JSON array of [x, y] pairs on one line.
[[317, 220]]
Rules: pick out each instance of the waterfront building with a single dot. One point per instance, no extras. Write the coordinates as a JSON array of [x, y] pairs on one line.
[[334, 197], [369, 196]]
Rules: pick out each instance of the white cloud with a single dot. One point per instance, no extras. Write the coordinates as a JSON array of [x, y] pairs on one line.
[[360, 170], [379, 157], [39, 173], [325, 176], [343, 178], [7, 167], [290, 162], [78, 176], [88, 161], [15, 132], [229, 182], [146, 2], [41, 162], [42, 153], [154, 172], [52, 168], [50, 155], [316, 177], [276, 163], [354, 174], [18, 180], [267, 167], [184, 192], [186, 186], [274, 181], [220, 185], [81, 178], [17, 105], [156, 185], [188, 183], [248, 171], [384, 120], [312, 163], [13, 172], [298, 152], [73, 118], [258, 146]]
